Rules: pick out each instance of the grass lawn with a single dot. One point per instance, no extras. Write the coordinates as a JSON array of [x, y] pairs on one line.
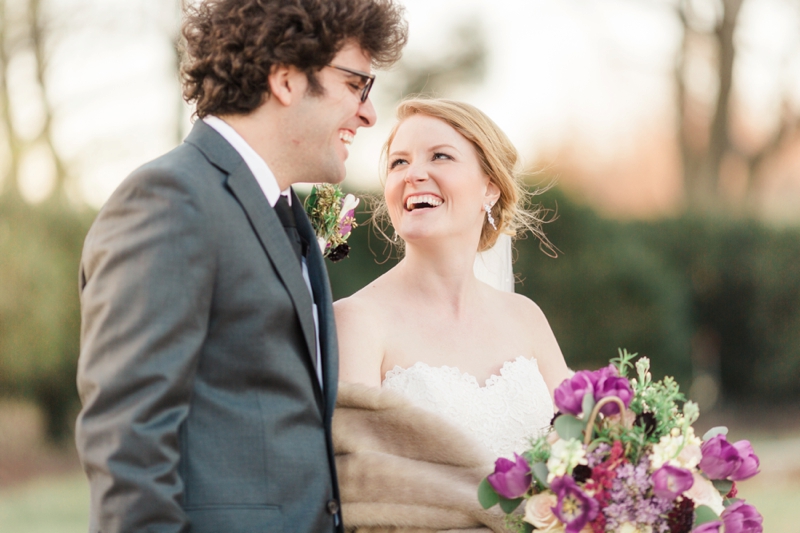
[[46, 505], [60, 505]]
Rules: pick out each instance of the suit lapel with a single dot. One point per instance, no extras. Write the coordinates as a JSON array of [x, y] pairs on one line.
[[265, 223], [322, 297]]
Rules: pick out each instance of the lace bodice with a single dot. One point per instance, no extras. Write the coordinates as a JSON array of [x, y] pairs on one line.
[[504, 414]]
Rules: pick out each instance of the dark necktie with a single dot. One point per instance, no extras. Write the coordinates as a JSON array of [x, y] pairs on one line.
[[284, 212]]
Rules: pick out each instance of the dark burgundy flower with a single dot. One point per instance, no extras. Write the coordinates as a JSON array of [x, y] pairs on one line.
[[740, 517], [720, 457], [569, 395], [669, 481], [339, 253], [581, 473], [648, 422], [681, 518], [750, 462], [575, 508], [511, 479]]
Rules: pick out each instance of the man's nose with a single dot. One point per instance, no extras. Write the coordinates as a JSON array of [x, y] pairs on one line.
[[367, 114]]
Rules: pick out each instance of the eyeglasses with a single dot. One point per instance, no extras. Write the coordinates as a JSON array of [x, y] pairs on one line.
[[366, 80]]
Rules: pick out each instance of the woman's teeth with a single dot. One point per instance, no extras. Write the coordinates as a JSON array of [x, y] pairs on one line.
[[423, 200]]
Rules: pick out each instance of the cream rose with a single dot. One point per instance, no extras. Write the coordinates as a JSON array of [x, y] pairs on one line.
[[538, 512], [704, 493]]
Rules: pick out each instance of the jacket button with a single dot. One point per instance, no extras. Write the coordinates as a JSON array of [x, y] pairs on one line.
[[333, 506]]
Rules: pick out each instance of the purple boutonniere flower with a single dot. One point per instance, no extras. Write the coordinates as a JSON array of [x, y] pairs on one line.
[[575, 508], [511, 479]]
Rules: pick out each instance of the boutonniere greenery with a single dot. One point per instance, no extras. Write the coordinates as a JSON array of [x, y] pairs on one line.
[[332, 215]]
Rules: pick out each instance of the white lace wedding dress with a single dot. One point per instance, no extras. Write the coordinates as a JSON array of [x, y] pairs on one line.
[[504, 414]]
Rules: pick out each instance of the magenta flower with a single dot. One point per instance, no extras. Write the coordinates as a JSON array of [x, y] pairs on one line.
[[750, 462], [609, 383], [709, 527], [669, 481], [575, 508], [569, 395], [740, 517], [511, 479], [720, 458]]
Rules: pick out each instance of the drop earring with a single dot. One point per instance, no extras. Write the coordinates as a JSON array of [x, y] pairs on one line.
[[489, 217]]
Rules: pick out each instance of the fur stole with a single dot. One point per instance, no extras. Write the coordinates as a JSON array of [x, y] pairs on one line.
[[404, 469]]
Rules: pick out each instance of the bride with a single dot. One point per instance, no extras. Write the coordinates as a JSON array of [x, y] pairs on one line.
[[484, 360]]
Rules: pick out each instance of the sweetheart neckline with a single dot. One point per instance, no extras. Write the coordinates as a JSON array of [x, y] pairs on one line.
[[490, 381]]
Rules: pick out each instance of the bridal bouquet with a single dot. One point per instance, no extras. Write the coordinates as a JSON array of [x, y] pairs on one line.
[[332, 215], [624, 457]]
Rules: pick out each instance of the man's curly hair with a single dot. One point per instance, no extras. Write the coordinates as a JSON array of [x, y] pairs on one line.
[[230, 46]]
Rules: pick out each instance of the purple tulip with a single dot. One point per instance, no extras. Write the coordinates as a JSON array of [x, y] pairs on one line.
[[574, 508], [740, 517], [669, 482], [609, 383], [511, 479], [709, 527], [720, 458], [750, 462], [569, 395]]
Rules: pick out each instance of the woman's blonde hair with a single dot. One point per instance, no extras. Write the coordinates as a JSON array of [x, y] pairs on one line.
[[499, 161]]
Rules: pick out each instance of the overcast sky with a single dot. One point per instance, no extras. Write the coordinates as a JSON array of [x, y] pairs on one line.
[[594, 72]]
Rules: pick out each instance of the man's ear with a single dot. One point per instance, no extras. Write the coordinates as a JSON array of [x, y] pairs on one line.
[[287, 83]]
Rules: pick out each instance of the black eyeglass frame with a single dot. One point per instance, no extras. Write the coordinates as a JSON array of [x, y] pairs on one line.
[[369, 79]]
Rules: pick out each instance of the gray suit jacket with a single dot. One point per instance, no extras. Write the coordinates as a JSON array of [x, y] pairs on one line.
[[202, 410]]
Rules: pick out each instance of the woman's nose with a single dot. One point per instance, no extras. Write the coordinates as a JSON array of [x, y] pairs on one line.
[[416, 173]]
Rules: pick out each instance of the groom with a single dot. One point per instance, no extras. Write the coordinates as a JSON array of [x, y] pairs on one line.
[[208, 363]]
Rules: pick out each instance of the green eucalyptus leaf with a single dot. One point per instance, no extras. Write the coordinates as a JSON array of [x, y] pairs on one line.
[[588, 404], [713, 432], [730, 501], [569, 427], [704, 514], [540, 472], [723, 486], [527, 528], [487, 495], [509, 506]]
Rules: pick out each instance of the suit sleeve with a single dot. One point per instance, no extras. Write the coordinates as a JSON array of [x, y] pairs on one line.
[[147, 281]]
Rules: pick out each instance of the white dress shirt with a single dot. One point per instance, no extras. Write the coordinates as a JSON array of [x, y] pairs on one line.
[[266, 180]]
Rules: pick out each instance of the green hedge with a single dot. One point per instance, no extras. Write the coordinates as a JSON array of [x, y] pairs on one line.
[[39, 309], [691, 293]]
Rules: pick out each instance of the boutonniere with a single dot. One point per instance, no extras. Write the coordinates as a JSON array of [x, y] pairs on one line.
[[332, 215]]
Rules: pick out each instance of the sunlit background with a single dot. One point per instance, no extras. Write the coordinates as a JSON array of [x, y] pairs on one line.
[[671, 129]]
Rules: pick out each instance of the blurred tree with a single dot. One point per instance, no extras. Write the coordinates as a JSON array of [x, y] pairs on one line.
[[438, 71], [709, 144], [27, 32]]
